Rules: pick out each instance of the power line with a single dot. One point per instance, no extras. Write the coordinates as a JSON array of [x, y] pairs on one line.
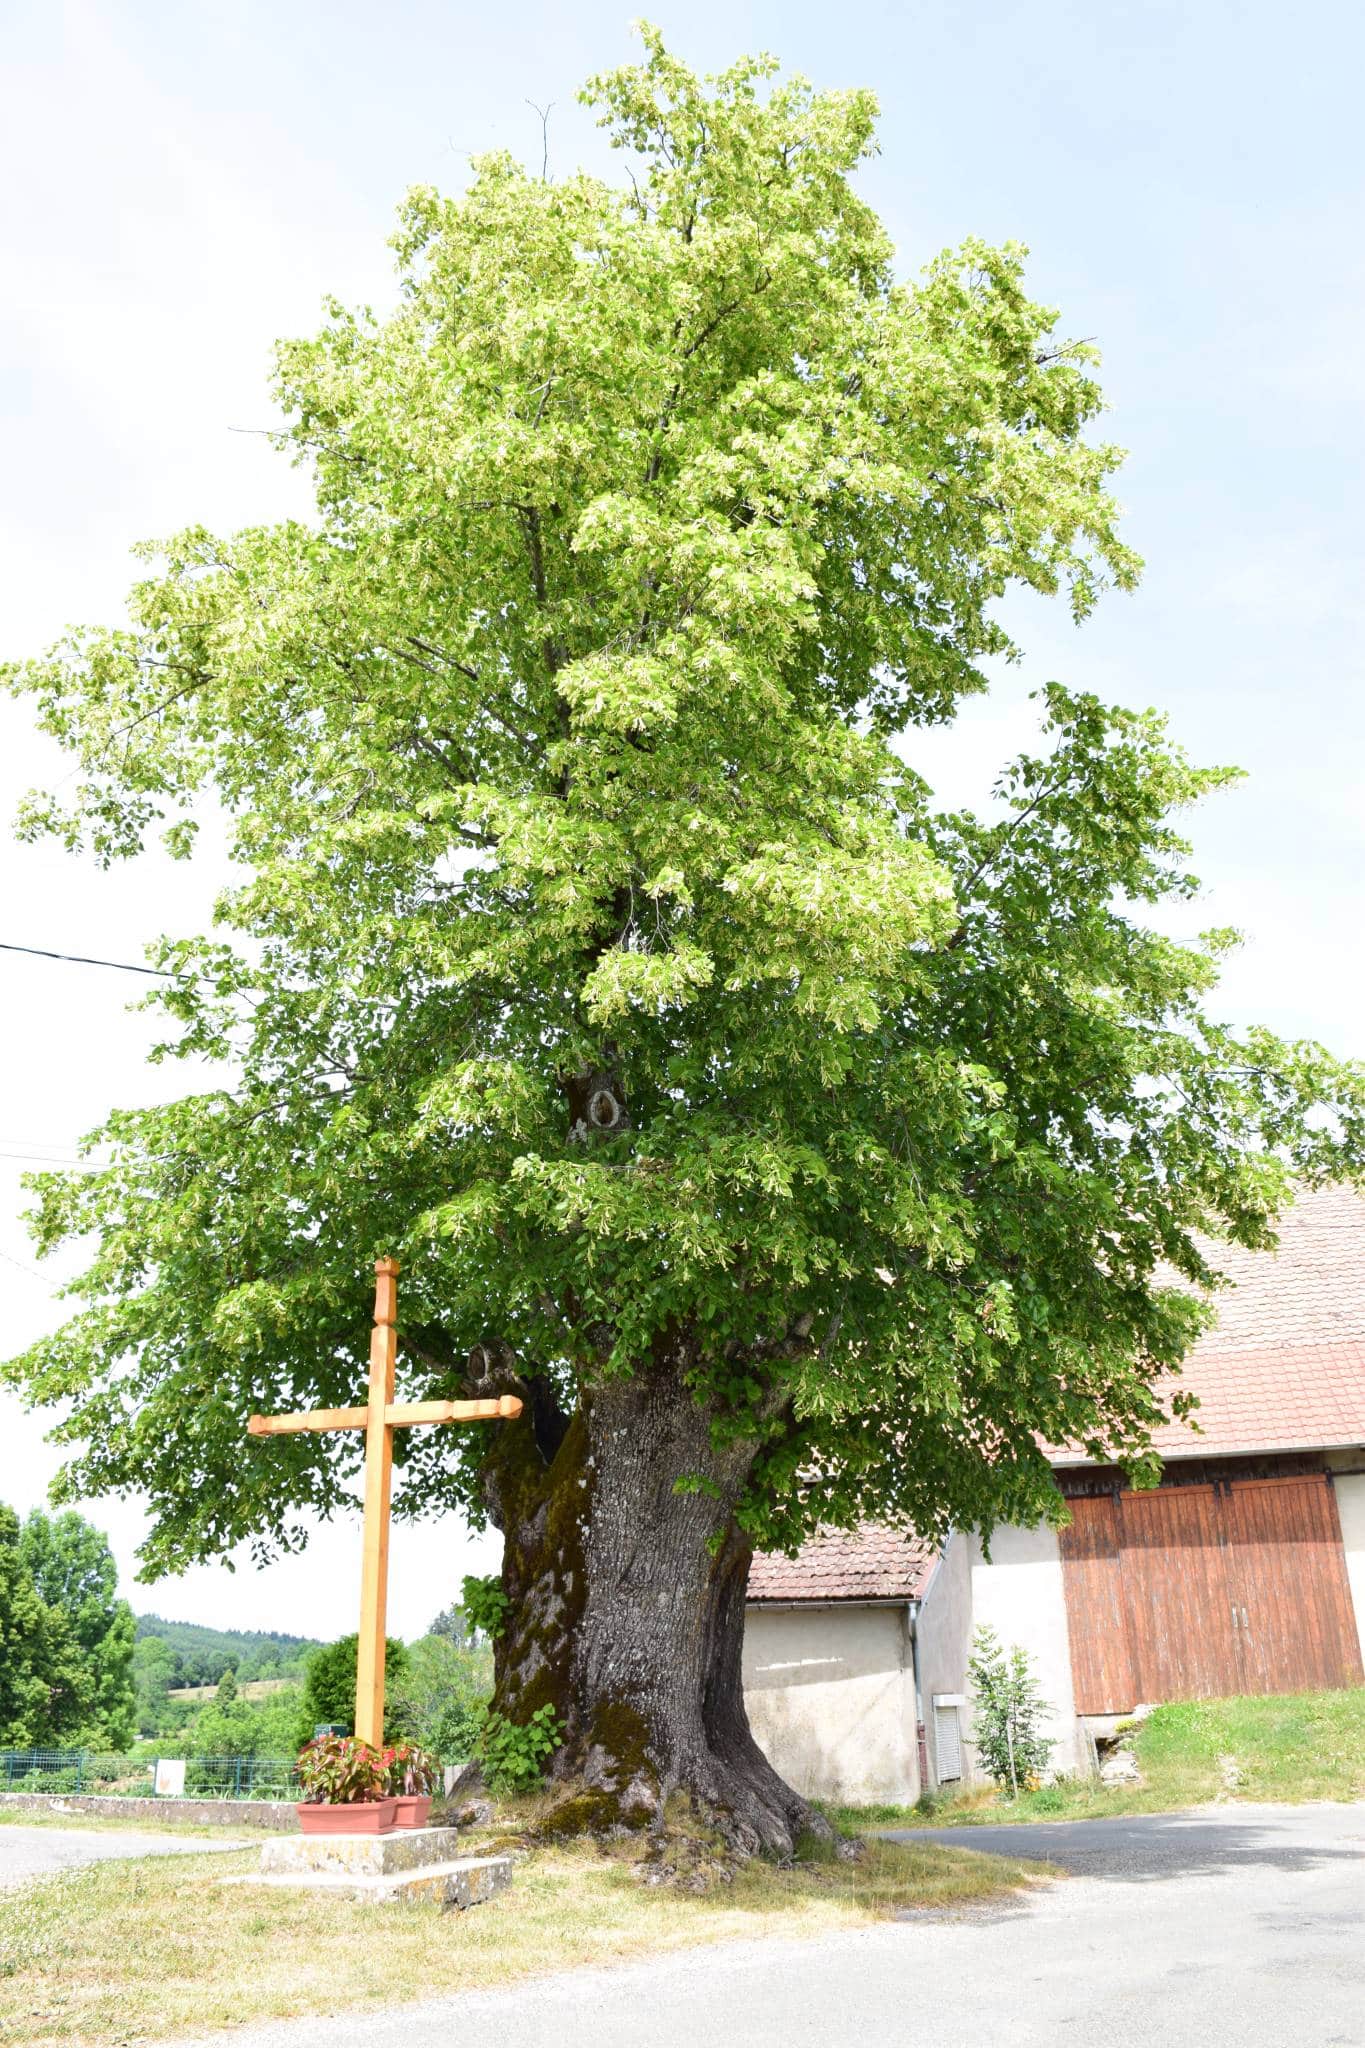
[[50, 1159], [32, 1271], [85, 960]]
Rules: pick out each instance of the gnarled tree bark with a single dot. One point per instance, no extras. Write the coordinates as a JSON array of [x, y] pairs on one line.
[[626, 1611]]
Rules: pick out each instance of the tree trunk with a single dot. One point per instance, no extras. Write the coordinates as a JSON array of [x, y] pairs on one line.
[[626, 1613]]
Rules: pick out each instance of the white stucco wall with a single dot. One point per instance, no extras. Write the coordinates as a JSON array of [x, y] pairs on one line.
[[1018, 1592], [1350, 1492], [830, 1698]]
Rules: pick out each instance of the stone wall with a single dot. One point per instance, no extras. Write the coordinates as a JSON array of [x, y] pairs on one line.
[[277, 1814]]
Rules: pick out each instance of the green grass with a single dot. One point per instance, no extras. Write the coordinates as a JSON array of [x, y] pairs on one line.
[[157, 1947], [1292, 1747]]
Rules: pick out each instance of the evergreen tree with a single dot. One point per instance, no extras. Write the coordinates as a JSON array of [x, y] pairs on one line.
[[329, 1685], [451, 1623]]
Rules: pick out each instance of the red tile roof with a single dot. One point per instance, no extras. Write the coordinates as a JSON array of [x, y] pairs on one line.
[[839, 1564], [1284, 1368]]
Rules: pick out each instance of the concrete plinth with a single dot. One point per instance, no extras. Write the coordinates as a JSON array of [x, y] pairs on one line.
[[465, 1881], [410, 1864], [360, 1855]]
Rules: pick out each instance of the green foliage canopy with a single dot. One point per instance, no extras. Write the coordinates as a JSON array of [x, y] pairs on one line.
[[237, 1727], [46, 1684], [154, 1673], [572, 736], [438, 1700]]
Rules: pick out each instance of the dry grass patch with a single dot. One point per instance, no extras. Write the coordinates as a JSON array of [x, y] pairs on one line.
[[143, 1950]]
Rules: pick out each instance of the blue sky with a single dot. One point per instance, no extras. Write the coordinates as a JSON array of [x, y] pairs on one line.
[[183, 184]]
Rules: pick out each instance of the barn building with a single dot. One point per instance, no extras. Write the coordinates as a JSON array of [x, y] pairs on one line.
[[1243, 1572]]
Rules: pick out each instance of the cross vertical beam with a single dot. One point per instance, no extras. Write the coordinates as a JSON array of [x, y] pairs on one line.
[[379, 1418], [374, 1576]]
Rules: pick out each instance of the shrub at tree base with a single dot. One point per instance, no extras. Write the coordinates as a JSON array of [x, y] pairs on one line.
[[801, 1152], [513, 1758]]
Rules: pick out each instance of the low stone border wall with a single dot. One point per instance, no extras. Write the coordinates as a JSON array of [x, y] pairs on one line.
[[278, 1814]]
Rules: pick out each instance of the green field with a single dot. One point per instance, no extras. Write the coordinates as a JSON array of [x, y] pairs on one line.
[[251, 1689]]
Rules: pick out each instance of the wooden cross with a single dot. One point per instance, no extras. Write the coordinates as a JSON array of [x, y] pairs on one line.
[[379, 1419]]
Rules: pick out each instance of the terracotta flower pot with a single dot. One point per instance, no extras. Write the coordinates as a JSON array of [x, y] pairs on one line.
[[414, 1809], [362, 1817]]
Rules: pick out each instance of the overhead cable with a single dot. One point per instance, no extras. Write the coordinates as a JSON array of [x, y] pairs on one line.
[[85, 960]]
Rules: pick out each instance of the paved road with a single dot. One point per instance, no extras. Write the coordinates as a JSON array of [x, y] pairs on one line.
[[38, 1852], [1235, 1929], [1162, 1845]]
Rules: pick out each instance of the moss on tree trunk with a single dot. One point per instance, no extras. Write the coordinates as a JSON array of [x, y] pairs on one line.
[[626, 1613]]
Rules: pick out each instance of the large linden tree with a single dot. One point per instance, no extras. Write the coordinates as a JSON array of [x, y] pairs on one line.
[[802, 1155]]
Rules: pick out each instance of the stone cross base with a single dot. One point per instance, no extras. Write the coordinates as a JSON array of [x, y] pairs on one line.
[[410, 1863]]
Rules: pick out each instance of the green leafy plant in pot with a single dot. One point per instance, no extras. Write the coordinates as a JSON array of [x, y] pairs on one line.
[[345, 1786], [413, 1775]]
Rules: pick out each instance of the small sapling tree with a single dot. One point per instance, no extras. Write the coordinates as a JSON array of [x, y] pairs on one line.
[[1008, 1713]]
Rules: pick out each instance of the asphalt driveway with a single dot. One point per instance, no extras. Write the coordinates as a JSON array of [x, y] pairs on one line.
[[1235, 1928], [38, 1852]]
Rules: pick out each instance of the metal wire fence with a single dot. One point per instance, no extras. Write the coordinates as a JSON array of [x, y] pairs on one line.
[[206, 1777]]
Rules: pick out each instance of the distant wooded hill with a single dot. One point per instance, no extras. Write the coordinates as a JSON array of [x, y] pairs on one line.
[[202, 1654]]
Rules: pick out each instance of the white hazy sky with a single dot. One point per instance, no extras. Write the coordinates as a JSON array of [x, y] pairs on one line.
[[179, 185]]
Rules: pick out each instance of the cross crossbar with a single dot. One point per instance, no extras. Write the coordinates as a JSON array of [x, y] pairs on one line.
[[397, 1415], [379, 1418]]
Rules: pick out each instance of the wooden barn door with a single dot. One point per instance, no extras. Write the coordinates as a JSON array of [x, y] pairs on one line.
[[1096, 1610], [1200, 1592], [1178, 1583], [1293, 1620]]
